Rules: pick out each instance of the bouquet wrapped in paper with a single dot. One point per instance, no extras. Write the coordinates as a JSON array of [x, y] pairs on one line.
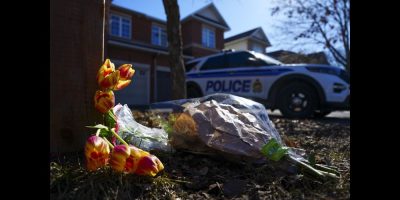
[[235, 128]]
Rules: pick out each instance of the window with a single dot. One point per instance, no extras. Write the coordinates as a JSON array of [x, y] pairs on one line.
[[243, 59], [158, 35], [258, 48], [217, 62], [208, 37], [191, 65], [120, 26], [268, 60]]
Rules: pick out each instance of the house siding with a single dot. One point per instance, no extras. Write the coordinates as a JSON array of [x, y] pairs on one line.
[[141, 34], [251, 43], [241, 45]]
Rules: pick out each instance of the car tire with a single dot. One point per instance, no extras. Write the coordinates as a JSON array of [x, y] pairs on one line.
[[193, 92], [297, 100], [321, 114]]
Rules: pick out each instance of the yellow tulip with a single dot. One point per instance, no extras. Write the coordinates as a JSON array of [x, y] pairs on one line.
[[97, 153], [104, 101]]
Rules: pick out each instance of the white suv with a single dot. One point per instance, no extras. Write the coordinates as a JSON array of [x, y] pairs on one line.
[[297, 90]]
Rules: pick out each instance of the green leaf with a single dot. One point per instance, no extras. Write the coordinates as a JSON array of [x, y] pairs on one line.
[[104, 130], [105, 133], [98, 126], [273, 150]]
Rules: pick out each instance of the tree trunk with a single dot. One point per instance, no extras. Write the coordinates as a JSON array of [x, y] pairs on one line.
[[175, 49]]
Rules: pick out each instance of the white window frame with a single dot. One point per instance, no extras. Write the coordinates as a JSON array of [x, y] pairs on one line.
[[120, 25], [206, 38], [159, 39]]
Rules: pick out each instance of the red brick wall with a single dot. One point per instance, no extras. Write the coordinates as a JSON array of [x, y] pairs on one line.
[[141, 29], [187, 35], [219, 38], [132, 55], [129, 55], [141, 25], [197, 51], [192, 33], [75, 55]]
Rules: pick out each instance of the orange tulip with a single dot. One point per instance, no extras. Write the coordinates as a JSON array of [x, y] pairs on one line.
[[104, 101], [97, 153], [149, 165], [126, 72], [134, 160], [107, 77], [119, 157]]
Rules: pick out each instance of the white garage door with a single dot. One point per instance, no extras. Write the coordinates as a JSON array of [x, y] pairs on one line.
[[138, 91]]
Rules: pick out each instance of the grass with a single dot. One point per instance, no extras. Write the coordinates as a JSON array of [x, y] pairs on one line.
[[191, 176]]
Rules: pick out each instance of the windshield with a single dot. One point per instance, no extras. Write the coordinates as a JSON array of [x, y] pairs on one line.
[[267, 59]]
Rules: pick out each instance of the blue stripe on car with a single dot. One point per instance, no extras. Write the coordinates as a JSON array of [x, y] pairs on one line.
[[260, 72]]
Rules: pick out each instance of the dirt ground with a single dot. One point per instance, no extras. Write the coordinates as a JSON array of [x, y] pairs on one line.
[[191, 176]]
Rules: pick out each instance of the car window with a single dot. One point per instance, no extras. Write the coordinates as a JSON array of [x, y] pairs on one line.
[[268, 60], [238, 59], [190, 66], [243, 59], [217, 62]]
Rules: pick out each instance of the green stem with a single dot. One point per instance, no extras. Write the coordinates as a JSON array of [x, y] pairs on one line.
[[108, 142], [318, 173], [326, 169], [176, 180], [118, 137], [98, 132]]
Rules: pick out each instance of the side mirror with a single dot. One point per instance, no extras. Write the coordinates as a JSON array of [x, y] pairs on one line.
[[252, 59], [254, 62]]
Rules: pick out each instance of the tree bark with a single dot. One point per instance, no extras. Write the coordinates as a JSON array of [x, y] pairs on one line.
[[174, 33]]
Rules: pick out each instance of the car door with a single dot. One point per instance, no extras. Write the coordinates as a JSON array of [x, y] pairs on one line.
[[247, 73], [212, 75], [228, 73]]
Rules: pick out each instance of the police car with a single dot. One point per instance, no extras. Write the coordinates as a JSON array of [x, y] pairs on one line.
[[297, 90]]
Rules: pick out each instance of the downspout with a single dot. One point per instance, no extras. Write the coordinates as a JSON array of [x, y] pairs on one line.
[[153, 78]]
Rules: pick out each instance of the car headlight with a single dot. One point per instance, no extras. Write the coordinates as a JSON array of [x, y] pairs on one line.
[[342, 74], [338, 87]]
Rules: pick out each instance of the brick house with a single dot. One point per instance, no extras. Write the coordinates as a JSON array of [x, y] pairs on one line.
[[253, 40], [141, 40]]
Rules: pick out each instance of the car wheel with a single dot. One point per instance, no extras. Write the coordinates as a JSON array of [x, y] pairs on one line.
[[193, 92], [297, 100]]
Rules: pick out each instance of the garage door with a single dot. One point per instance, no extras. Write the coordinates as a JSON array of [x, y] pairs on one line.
[[163, 79], [137, 92]]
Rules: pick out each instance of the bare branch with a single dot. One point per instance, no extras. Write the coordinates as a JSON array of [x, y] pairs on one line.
[[325, 22]]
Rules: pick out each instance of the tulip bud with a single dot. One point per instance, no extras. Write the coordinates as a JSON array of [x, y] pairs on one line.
[[149, 165], [134, 160], [119, 157], [107, 77], [104, 101], [126, 72], [97, 152]]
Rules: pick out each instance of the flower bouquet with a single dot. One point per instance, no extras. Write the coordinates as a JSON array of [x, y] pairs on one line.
[[101, 148]]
